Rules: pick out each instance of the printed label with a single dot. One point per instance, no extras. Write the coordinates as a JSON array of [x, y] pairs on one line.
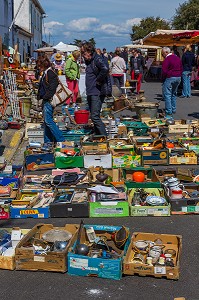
[[39, 258], [160, 270], [78, 263]]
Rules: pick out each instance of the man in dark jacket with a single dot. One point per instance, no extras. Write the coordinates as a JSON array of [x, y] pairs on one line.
[[96, 85], [188, 62]]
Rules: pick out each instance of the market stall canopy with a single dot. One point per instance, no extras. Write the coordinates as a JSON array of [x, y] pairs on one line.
[[65, 47], [171, 37], [138, 46], [45, 49]]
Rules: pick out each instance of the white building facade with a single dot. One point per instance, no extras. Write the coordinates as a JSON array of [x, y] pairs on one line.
[[6, 17], [27, 26]]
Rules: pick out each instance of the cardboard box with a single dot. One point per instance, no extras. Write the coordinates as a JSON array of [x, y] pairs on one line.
[[186, 158], [97, 267], [98, 161], [125, 158], [151, 180], [94, 148], [180, 127], [24, 213], [185, 206], [9, 181], [155, 157], [76, 206], [115, 174], [8, 262], [26, 259], [169, 242], [149, 210], [109, 209], [42, 161]]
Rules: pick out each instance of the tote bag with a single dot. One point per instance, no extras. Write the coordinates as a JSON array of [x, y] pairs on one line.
[[61, 95]]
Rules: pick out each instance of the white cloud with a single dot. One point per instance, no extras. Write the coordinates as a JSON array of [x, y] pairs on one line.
[[83, 24], [53, 26], [118, 30]]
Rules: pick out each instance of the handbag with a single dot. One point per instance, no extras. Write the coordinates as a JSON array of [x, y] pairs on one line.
[[61, 95]]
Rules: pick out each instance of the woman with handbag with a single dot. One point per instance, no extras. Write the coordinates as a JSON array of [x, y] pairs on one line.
[[137, 66], [47, 89]]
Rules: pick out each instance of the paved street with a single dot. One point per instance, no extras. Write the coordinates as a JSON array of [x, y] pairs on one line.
[[20, 285]]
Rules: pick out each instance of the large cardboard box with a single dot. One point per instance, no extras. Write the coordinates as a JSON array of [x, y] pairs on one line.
[[97, 267], [151, 180], [62, 162], [173, 242], [155, 157], [75, 205], [27, 259], [24, 213], [125, 158], [98, 161], [8, 262], [109, 209], [42, 161], [149, 210]]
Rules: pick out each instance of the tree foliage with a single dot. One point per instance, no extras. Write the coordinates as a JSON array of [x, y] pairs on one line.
[[78, 43], [187, 16], [148, 25]]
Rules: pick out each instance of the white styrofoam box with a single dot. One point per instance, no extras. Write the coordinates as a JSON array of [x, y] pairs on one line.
[[98, 161], [36, 139], [35, 133]]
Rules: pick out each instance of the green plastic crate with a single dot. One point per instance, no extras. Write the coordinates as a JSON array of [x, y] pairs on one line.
[[139, 128]]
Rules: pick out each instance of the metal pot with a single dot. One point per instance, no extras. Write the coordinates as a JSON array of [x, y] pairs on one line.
[[146, 109]]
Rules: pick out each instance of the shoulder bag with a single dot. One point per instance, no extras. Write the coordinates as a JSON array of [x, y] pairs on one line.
[[61, 95]]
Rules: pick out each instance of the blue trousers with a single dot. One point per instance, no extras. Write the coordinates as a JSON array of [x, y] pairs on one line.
[[169, 92], [186, 81], [51, 131], [95, 105]]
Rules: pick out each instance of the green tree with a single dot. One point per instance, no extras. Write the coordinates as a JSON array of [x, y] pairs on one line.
[[77, 42], [92, 41], [187, 16], [148, 25]]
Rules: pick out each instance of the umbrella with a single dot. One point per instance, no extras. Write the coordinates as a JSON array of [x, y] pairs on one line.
[[171, 37], [65, 47], [45, 49]]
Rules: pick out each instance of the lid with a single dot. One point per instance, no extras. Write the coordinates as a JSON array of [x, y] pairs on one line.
[[177, 191], [146, 104]]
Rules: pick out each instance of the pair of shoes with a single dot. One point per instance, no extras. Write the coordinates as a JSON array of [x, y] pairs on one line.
[[168, 117]]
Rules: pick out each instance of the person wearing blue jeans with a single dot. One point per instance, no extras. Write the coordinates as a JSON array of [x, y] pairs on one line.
[[97, 84], [95, 105], [186, 84], [171, 75], [169, 90], [47, 88], [188, 62], [51, 132]]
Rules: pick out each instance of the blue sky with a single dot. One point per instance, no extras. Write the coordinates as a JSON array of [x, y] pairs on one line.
[[108, 21]]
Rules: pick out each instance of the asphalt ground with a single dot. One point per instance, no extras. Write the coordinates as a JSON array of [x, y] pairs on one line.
[[21, 285]]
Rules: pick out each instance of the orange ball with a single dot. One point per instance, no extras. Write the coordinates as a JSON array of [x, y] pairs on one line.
[[138, 176]]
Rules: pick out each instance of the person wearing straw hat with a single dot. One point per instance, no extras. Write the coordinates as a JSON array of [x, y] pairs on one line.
[[58, 64]]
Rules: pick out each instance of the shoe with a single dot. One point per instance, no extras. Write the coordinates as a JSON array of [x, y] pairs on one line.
[[174, 112], [182, 96], [188, 96], [168, 117]]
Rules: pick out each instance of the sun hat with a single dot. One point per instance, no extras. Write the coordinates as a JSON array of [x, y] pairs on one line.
[[58, 56]]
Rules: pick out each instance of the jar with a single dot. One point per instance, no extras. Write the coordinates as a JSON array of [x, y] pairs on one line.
[[176, 193]]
